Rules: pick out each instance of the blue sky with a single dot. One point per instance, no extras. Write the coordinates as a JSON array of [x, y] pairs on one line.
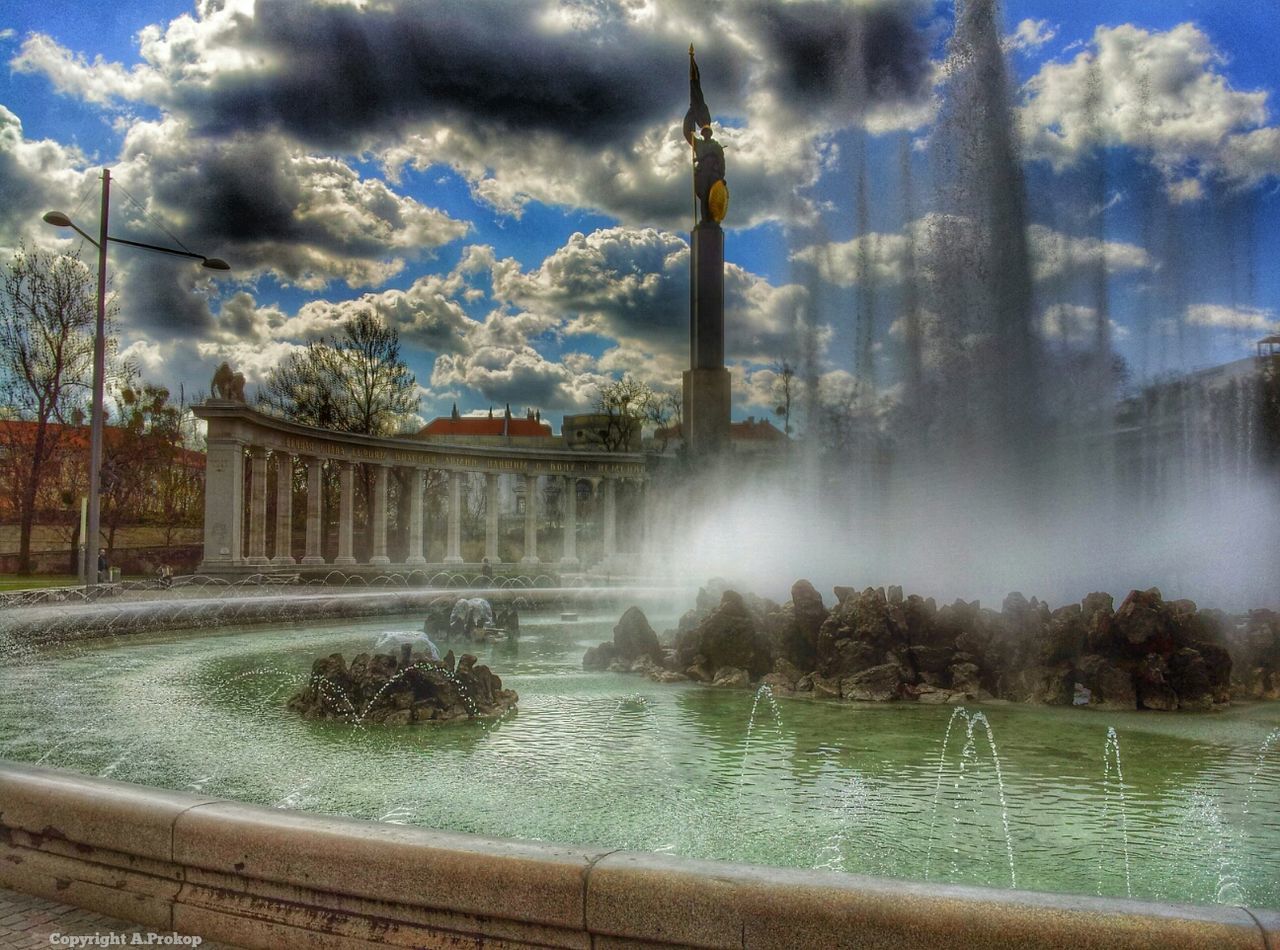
[[505, 182]]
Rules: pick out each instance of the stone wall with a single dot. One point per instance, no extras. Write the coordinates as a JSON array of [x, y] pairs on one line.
[[269, 878]]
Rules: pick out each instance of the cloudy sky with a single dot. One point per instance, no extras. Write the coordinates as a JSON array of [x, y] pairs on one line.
[[505, 182]]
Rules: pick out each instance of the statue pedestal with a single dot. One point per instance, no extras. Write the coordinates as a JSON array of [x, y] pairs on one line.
[[706, 410], [706, 382]]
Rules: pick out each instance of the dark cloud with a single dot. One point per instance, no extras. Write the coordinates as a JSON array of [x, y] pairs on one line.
[[264, 204], [830, 55], [340, 74]]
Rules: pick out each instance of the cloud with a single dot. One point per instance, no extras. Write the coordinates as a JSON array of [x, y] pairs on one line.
[[573, 104], [518, 375], [270, 207], [1030, 35], [631, 285], [885, 257], [1074, 324], [1160, 92], [1219, 316], [36, 176]]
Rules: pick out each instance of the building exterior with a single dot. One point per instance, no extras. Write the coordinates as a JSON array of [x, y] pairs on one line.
[[446, 461], [758, 438]]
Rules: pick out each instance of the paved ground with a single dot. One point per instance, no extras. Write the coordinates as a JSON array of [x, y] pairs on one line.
[[30, 923]]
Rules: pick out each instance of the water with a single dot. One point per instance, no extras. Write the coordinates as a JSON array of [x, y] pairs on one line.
[[613, 760]]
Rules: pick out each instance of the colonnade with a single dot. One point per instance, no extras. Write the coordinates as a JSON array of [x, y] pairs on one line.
[[261, 463], [253, 458]]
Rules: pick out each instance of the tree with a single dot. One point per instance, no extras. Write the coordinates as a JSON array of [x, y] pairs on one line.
[[665, 413], [623, 407], [783, 385], [48, 312], [144, 467], [353, 381], [1269, 410]]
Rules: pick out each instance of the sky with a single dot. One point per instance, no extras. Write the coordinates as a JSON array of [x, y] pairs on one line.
[[506, 183]]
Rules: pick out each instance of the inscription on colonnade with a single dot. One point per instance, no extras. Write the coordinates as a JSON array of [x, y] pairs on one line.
[[455, 460]]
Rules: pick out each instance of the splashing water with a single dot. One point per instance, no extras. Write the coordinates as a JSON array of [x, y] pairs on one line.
[[1264, 750], [968, 755], [1111, 753]]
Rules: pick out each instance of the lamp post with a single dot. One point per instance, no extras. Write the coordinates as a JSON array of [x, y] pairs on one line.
[[60, 220]]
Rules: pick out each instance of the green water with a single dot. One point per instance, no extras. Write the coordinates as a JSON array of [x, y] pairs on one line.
[[616, 761]]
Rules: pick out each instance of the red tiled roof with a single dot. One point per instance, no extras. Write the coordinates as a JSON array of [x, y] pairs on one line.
[[76, 438], [757, 429], [486, 425], [760, 430]]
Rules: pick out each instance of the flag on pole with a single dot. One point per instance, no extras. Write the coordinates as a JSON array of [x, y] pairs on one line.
[[698, 115]]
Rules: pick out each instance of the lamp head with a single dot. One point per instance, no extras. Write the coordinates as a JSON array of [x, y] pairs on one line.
[[215, 263], [57, 219]]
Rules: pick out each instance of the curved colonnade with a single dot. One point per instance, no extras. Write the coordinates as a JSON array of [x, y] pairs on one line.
[[240, 437]]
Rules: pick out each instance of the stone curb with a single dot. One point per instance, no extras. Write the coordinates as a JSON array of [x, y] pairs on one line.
[[263, 877]]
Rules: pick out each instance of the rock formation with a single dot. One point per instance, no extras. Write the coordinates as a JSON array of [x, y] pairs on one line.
[[878, 645], [404, 689]]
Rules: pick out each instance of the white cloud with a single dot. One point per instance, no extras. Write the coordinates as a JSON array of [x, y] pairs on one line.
[[1219, 316], [1030, 35], [1160, 92], [1075, 324], [885, 256]]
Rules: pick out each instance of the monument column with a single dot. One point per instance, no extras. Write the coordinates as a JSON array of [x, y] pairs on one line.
[[315, 494], [609, 530], [258, 506], [284, 509], [569, 546], [223, 503], [416, 480], [346, 507], [453, 552], [530, 521], [378, 516], [491, 515], [706, 382]]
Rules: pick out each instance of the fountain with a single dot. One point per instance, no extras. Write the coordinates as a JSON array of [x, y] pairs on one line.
[[985, 475]]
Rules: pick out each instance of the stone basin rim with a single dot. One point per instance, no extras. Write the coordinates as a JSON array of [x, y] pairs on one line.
[[259, 876]]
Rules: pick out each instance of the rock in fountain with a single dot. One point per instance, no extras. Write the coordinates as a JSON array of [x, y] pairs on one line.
[[397, 691], [634, 648], [877, 646], [472, 618]]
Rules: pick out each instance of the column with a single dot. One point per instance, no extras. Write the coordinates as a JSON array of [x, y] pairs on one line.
[[569, 554], [491, 515], [223, 504], [258, 506], [378, 517], [315, 493], [416, 479], [284, 509], [609, 530], [530, 521], [346, 506], [453, 551]]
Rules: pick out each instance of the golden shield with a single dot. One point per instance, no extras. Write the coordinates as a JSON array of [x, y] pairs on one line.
[[718, 201]]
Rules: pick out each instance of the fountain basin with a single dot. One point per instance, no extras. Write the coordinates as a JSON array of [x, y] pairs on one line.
[[262, 877], [682, 769]]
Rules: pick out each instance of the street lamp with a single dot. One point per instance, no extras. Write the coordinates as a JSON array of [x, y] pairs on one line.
[[60, 220]]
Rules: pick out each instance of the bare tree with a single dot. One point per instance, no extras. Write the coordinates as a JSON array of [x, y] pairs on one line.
[[354, 381], [47, 318], [665, 412], [622, 407], [784, 385]]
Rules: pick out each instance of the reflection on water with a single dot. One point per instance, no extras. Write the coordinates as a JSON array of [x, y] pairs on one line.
[[617, 761]]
